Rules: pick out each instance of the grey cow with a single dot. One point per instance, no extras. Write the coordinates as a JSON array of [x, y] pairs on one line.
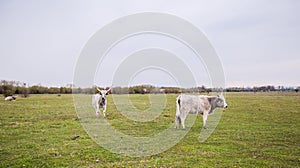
[[193, 104], [99, 101]]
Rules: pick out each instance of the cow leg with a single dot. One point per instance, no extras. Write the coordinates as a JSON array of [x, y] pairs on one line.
[[104, 111], [205, 114], [183, 116], [177, 121], [97, 111]]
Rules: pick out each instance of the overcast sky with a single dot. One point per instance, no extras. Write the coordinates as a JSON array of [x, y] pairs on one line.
[[257, 41]]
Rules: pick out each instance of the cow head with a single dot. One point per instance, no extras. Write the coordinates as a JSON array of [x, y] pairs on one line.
[[103, 93], [221, 102]]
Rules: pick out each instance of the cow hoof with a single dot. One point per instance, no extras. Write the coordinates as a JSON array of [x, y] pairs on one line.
[[205, 127]]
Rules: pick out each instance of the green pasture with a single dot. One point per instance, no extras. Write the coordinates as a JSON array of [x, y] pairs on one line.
[[257, 130]]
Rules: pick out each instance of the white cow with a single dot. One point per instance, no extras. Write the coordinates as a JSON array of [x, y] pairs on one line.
[[99, 100], [10, 98], [192, 104]]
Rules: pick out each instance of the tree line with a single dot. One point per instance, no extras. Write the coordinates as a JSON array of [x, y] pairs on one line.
[[268, 88], [9, 88]]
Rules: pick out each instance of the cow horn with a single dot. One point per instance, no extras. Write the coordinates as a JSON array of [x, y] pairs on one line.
[[98, 89], [108, 89]]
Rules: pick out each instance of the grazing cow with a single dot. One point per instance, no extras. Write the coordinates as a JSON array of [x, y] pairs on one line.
[[99, 100], [192, 104], [10, 98]]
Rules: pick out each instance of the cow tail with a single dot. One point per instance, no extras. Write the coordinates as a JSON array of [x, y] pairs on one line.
[[178, 105]]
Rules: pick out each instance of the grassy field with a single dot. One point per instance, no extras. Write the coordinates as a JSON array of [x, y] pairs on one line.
[[257, 130]]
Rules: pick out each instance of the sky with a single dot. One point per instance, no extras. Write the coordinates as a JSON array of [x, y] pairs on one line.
[[257, 41]]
